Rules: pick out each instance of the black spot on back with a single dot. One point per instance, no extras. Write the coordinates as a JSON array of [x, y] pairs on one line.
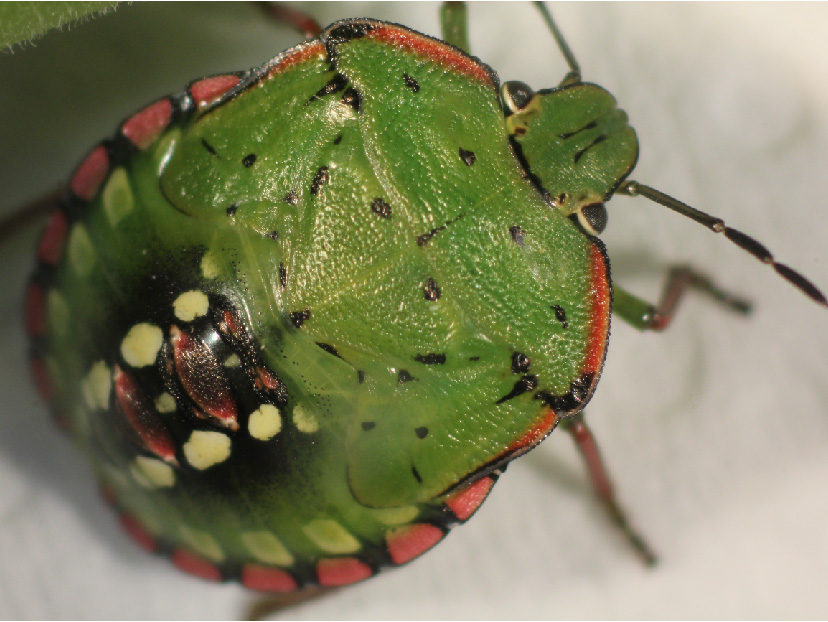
[[297, 318], [368, 425], [467, 156], [433, 358], [524, 385], [560, 315], [291, 197], [381, 208], [209, 148], [403, 376], [573, 401], [432, 290], [421, 432], [411, 83], [360, 376], [338, 139], [231, 211], [352, 98], [249, 160], [273, 235], [416, 474], [319, 180], [334, 85], [282, 276], [329, 349], [520, 363], [517, 234]]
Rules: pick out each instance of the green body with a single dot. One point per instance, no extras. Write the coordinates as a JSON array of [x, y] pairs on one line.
[[389, 255]]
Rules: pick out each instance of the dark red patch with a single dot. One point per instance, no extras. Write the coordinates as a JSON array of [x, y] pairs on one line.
[[196, 565], [50, 246], [434, 50], [207, 90], [267, 579], [599, 313], [141, 415], [203, 378], [136, 531], [41, 379], [406, 543], [464, 503], [35, 310], [108, 494], [144, 127], [89, 176], [314, 50], [341, 571]]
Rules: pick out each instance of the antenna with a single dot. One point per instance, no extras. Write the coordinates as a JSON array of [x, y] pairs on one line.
[[574, 75], [717, 225]]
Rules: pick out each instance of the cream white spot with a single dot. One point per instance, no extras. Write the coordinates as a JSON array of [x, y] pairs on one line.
[[267, 548], [206, 448], [58, 312], [396, 516], [304, 419], [141, 345], [152, 473], [209, 267], [190, 305], [202, 542], [165, 403], [232, 361], [331, 537], [80, 252], [116, 197], [265, 422], [96, 386]]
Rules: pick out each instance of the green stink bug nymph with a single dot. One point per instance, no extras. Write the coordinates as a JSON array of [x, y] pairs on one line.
[[326, 331]]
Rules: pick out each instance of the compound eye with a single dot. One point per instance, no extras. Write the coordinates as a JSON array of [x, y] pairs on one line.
[[516, 96], [592, 218]]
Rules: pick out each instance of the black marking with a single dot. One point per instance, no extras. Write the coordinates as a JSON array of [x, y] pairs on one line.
[[329, 349], [517, 235], [421, 432], [474, 358], [346, 32], [368, 425], [411, 83], [291, 197], [360, 376], [351, 97], [209, 148], [338, 139], [283, 276], [598, 140], [573, 401], [334, 85], [425, 238], [249, 160], [297, 318], [319, 180], [381, 208], [467, 156], [431, 290], [589, 126], [416, 474], [560, 315], [231, 211], [433, 358], [404, 377], [520, 363], [273, 235], [524, 385]]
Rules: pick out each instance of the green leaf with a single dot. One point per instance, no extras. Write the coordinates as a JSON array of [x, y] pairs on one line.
[[24, 21]]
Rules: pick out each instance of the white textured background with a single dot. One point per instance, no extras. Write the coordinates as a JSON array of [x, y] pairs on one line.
[[716, 432]]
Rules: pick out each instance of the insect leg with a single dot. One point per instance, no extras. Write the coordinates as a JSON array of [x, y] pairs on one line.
[[601, 484], [454, 23], [299, 20], [645, 316], [29, 213]]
